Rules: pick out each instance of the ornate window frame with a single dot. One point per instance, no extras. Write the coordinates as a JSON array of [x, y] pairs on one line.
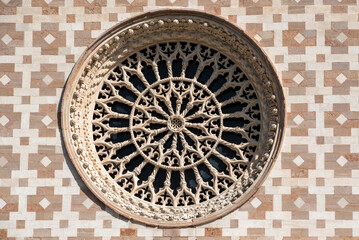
[[101, 57]]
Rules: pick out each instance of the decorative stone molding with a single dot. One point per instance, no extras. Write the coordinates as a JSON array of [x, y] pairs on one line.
[[173, 118]]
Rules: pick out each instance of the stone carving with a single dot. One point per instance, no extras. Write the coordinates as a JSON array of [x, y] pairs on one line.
[[173, 119]]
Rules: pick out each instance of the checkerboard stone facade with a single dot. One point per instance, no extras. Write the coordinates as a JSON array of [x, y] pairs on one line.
[[312, 191]]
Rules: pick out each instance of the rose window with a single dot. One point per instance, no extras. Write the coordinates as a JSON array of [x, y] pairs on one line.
[[173, 119], [176, 123]]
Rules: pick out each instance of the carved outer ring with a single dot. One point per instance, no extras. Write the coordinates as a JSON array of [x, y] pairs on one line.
[[99, 183]]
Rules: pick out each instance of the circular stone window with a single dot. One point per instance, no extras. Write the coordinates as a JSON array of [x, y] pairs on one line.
[[173, 118]]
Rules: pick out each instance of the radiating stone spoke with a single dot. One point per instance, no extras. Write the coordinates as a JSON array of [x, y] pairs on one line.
[[229, 160], [234, 147], [165, 100], [107, 131], [237, 130], [190, 148], [157, 120], [127, 85], [154, 133], [236, 99], [228, 85], [193, 103], [193, 137], [199, 126], [202, 115], [123, 144], [164, 140], [119, 99], [150, 119], [139, 168], [239, 115], [137, 73], [122, 160], [216, 74], [157, 109]]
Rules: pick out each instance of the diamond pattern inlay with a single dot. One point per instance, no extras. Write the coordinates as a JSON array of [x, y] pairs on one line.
[[47, 79], [298, 119], [342, 161], [3, 161], [49, 38], [256, 202], [44, 203], [341, 119], [299, 202], [341, 78], [257, 37], [299, 38], [4, 120], [342, 202], [2, 203], [298, 161], [46, 120], [342, 37], [298, 78], [6, 38], [5, 79], [45, 161], [87, 203]]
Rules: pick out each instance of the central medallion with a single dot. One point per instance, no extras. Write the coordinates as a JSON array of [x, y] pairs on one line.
[[176, 123]]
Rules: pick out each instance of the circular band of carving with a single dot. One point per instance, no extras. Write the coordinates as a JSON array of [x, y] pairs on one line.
[[166, 103], [173, 118]]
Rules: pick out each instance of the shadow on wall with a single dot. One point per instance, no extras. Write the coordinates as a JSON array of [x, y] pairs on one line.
[[77, 177]]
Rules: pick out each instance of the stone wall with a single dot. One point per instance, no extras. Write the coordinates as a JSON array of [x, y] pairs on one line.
[[312, 191]]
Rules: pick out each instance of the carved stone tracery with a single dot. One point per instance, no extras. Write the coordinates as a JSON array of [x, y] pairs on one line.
[[173, 119]]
